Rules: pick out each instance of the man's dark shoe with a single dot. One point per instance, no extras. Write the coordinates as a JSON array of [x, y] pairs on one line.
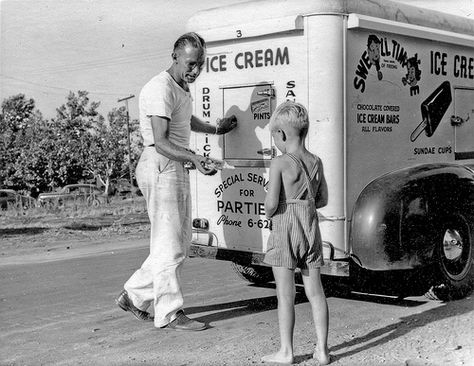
[[124, 302], [183, 323]]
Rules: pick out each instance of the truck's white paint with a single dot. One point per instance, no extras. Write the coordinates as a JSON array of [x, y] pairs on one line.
[[362, 119]]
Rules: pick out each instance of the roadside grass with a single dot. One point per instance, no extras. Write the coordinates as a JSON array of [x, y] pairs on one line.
[[76, 215], [44, 229]]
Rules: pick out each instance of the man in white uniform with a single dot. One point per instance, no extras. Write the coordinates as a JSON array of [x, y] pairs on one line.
[[166, 122]]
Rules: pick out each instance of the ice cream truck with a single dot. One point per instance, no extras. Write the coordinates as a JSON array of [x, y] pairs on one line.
[[390, 93]]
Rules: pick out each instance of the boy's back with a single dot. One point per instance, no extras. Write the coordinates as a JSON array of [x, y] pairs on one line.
[[295, 240], [294, 170]]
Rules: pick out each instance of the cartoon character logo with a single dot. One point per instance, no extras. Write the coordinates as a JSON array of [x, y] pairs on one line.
[[373, 51], [413, 74]]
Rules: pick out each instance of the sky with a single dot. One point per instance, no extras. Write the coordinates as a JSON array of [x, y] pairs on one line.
[[109, 48]]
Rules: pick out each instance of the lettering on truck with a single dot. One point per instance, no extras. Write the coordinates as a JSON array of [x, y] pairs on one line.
[[239, 178], [249, 59], [206, 114], [385, 54], [462, 66]]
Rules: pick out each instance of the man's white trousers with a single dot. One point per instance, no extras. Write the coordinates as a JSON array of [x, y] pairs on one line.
[[165, 187]]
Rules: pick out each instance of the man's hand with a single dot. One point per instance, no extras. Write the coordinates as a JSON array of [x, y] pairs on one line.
[[204, 165], [226, 124]]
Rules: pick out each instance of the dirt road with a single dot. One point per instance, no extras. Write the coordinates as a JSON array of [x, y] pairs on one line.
[[57, 308]]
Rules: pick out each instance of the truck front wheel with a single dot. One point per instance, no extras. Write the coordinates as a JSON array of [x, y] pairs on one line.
[[254, 273], [454, 259]]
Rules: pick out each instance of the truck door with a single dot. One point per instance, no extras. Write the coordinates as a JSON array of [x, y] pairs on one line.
[[250, 144], [232, 201], [249, 149], [463, 120]]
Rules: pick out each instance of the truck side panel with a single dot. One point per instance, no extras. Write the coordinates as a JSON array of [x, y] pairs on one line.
[[246, 78], [410, 103], [402, 95], [305, 66]]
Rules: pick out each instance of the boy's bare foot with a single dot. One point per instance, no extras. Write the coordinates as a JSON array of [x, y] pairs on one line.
[[323, 358], [279, 357]]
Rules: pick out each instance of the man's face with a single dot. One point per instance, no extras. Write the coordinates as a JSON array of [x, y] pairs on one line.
[[189, 63]]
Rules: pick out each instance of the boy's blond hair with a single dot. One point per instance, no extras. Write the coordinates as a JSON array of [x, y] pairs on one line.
[[291, 114]]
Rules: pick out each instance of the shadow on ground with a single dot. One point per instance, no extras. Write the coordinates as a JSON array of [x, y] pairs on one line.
[[404, 326], [371, 340], [22, 231]]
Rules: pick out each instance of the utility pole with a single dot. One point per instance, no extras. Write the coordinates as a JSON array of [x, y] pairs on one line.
[[126, 99]]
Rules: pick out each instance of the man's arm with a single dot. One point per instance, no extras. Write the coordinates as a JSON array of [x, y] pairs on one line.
[[172, 151], [222, 126], [198, 125]]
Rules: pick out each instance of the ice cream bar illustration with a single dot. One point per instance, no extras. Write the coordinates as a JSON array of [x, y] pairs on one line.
[[433, 110]]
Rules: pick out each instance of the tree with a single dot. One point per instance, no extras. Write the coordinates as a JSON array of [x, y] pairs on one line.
[[75, 146], [73, 128], [19, 124], [118, 118], [109, 148]]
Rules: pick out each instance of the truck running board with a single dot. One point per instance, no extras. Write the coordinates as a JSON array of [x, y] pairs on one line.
[[333, 267]]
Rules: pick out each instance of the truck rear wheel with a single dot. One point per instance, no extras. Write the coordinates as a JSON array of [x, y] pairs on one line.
[[454, 259], [253, 273]]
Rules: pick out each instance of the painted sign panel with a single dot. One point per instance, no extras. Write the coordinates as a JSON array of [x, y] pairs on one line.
[[400, 102]]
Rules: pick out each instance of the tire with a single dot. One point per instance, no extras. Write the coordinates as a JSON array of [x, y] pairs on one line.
[[336, 286], [254, 273], [454, 255]]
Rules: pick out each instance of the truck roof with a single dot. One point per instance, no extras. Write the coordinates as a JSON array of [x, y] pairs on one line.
[[261, 10]]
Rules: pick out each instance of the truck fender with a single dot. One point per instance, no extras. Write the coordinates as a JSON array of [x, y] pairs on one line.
[[396, 217]]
